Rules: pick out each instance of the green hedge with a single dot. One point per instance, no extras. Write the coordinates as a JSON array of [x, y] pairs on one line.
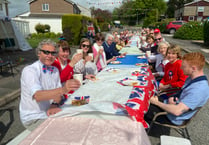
[[161, 25], [103, 26], [190, 31], [206, 33], [75, 27]]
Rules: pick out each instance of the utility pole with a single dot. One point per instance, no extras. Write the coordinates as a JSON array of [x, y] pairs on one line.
[[137, 22]]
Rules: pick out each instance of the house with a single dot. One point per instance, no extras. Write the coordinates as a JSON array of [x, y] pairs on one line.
[[197, 10], [84, 11], [4, 8], [48, 12]]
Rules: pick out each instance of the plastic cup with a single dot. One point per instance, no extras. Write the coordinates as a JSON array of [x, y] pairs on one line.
[[92, 56], [148, 53], [79, 50], [78, 77]]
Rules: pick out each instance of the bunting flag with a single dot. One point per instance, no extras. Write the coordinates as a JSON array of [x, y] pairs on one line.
[[107, 2]]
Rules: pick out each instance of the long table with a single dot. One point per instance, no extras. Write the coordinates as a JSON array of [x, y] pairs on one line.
[[114, 113]]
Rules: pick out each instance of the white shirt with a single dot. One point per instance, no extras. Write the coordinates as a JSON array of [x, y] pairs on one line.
[[34, 79], [101, 59], [159, 59]]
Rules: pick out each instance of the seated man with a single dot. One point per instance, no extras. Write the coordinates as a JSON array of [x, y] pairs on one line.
[[41, 88], [110, 47], [194, 93]]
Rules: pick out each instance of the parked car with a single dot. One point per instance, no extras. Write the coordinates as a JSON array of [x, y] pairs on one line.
[[173, 26]]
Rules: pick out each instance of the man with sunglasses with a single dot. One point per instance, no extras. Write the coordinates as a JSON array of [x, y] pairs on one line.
[[41, 89]]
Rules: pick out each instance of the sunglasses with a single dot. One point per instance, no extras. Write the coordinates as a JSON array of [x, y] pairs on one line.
[[100, 40], [158, 39], [46, 52], [151, 33], [83, 45]]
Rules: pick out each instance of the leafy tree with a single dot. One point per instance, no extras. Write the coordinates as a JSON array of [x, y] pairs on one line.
[[101, 15], [131, 11]]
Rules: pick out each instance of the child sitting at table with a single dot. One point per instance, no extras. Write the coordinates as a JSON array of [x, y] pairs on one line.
[[174, 77]]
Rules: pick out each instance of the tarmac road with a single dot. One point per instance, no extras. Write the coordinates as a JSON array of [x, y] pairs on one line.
[[198, 128]]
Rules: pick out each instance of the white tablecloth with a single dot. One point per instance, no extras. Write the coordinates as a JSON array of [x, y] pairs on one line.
[[85, 131]]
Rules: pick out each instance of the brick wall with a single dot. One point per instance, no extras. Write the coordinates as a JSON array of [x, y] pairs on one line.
[[55, 6]]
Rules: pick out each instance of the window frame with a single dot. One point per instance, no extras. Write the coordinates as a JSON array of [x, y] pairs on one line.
[[189, 19], [45, 7]]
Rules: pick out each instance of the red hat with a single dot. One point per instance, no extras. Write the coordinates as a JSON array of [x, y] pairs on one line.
[[157, 30]]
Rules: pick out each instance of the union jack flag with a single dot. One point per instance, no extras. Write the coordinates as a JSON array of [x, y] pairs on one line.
[[83, 98], [137, 93]]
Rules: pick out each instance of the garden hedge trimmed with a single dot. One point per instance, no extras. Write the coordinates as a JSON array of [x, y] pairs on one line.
[[75, 27]]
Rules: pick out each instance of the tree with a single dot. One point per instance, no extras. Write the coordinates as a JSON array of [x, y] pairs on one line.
[[132, 12], [101, 15]]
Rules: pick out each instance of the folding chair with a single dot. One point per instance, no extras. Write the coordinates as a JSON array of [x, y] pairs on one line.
[[181, 129]]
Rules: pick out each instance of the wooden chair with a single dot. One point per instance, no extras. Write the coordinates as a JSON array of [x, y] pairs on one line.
[[181, 129]]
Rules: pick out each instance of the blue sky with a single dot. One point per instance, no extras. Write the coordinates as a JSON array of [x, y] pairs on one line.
[[17, 7]]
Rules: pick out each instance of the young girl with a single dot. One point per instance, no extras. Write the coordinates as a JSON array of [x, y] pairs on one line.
[[174, 77]]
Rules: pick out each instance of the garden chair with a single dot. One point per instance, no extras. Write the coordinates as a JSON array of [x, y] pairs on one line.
[[181, 129], [7, 64], [6, 126]]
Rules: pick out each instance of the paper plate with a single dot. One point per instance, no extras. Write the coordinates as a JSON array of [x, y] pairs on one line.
[[115, 62], [131, 82]]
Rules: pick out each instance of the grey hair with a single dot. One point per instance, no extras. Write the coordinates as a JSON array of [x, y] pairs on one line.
[[108, 35], [163, 43], [46, 42]]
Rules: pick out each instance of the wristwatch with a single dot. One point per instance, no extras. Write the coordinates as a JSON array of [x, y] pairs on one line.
[[55, 103]]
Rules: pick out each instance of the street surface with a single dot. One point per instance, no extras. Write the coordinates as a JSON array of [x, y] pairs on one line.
[[198, 128]]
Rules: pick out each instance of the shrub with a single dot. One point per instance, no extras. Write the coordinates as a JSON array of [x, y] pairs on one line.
[[75, 27], [40, 28], [190, 31], [47, 28], [206, 32]]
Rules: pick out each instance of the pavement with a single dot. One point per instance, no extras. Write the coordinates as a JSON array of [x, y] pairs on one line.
[[10, 87]]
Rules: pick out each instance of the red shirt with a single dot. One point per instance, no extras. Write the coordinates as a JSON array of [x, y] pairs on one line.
[[66, 73], [174, 75]]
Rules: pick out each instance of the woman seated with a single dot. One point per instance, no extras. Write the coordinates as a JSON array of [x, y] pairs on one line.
[[63, 63], [99, 54], [174, 77], [160, 60], [86, 66], [120, 44]]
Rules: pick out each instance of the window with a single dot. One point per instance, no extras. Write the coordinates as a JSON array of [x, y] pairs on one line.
[[177, 23], [200, 9], [191, 18], [45, 7], [1, 7]]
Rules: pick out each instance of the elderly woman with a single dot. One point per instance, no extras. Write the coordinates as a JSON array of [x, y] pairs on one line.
[[86, 65], [99, 54], [160, 59]]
